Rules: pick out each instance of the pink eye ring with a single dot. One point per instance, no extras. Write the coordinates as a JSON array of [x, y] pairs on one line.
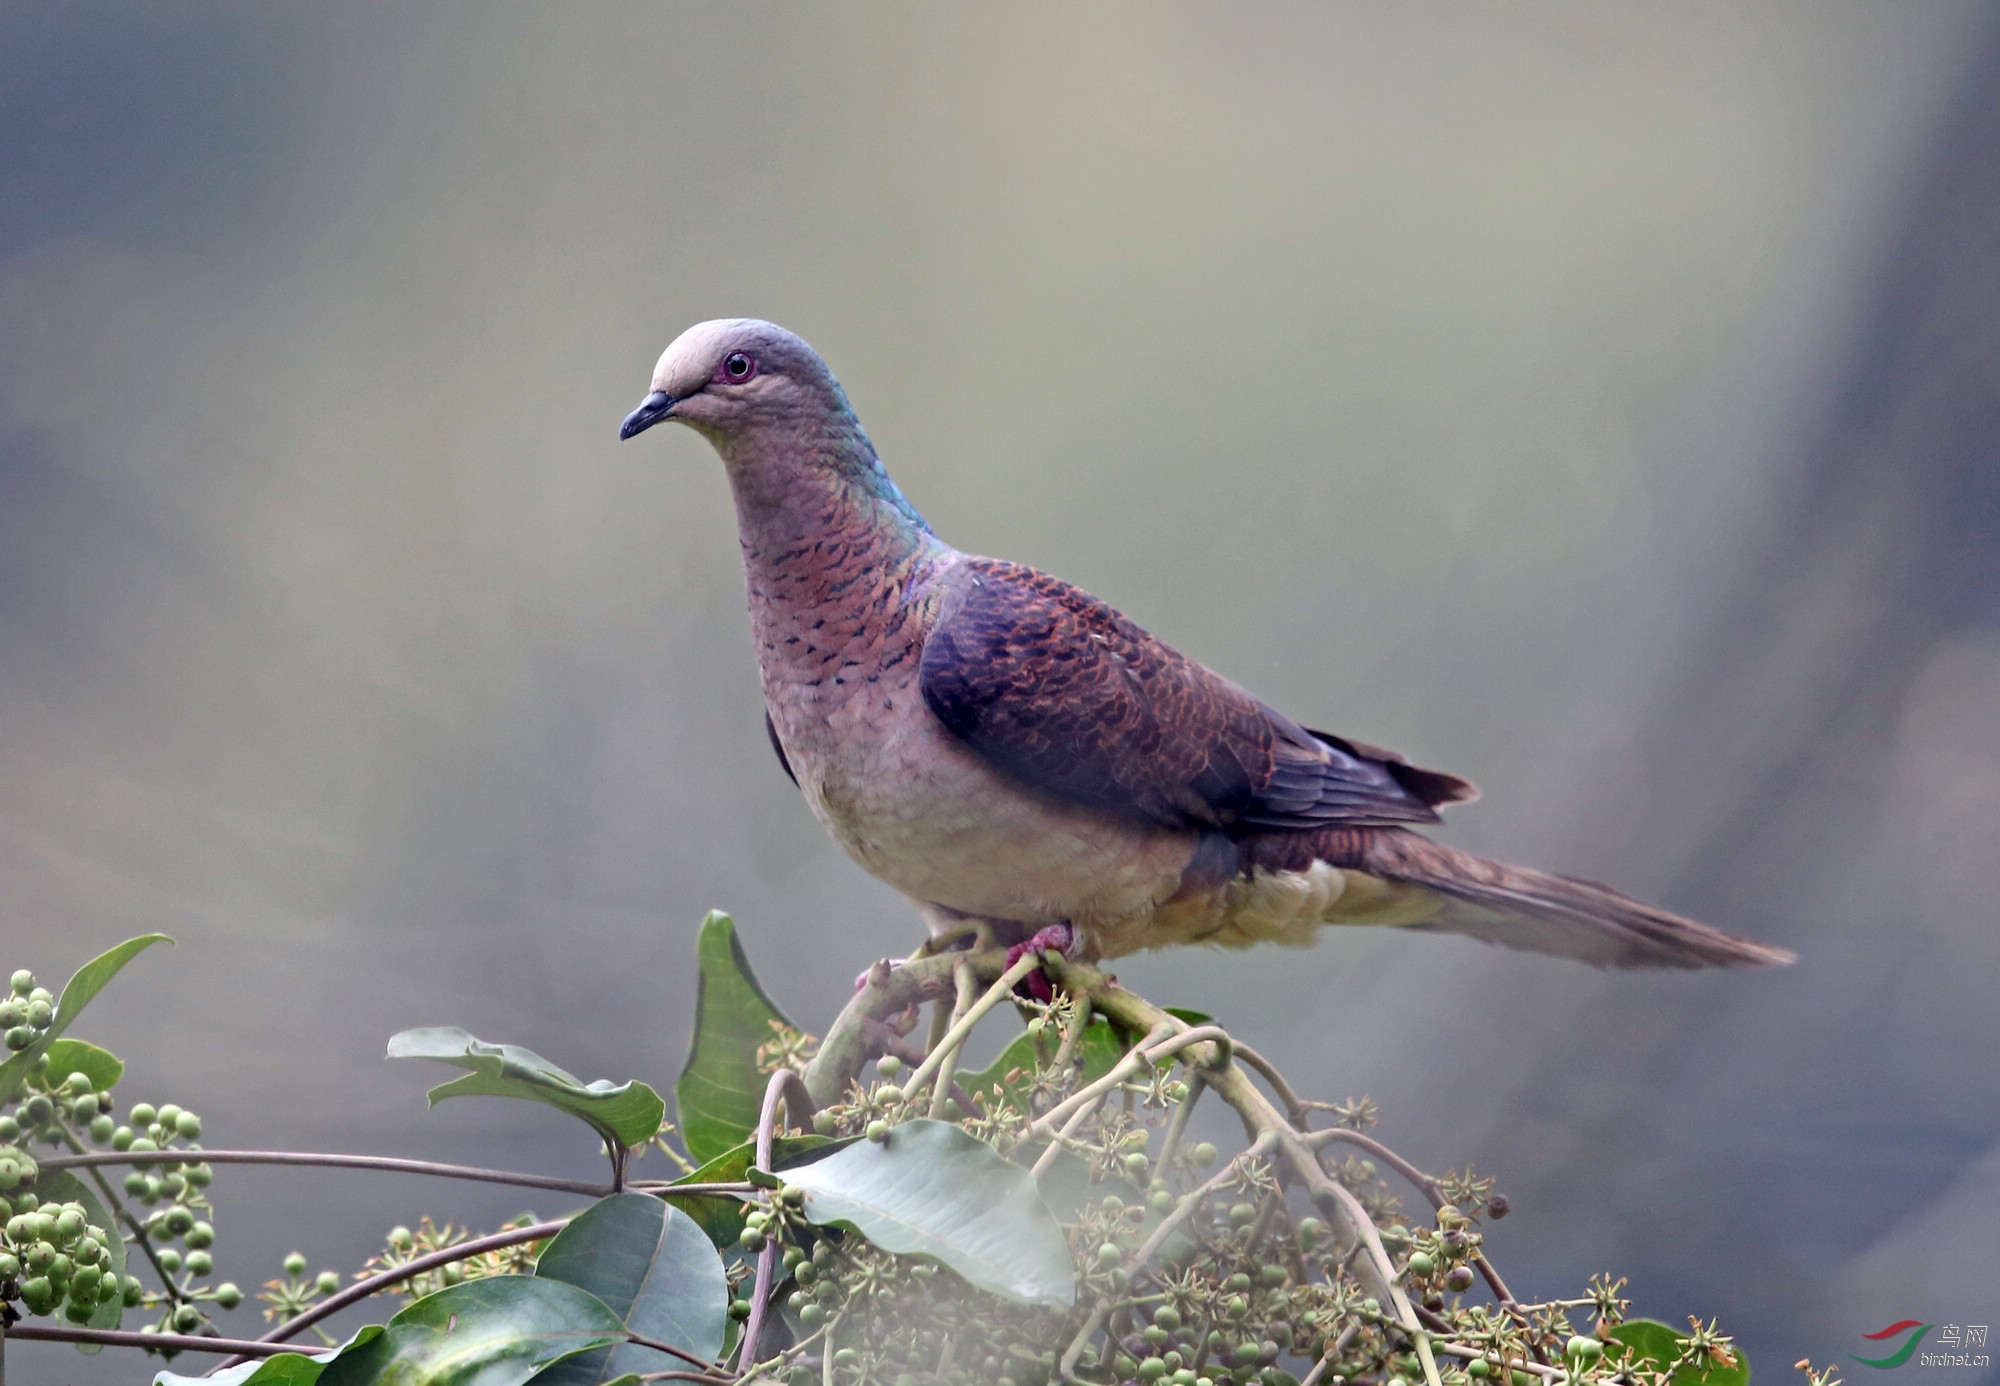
[[736, 367]]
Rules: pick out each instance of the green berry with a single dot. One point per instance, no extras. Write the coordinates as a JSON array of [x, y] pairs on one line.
[[1167, 1317], [1237, 1284], [878, 1131], [40, 1256], [37, 1110], [400, 1238], [135, 1183], [88, 1251], [10, 1130], [1583, 1349], [122, 1138], [170, 1260], [793, 1257], [200, 1262], [200, 1237], [168, 1115], [326, 1282], [1152, 1369], [1136, 1164], [295, 1264], [1110, 1254], [1271, 1277], [177, 1221], [888, 1065], [84, 1109], [69, 1225], [811, 1316], [753, 1240], [846, 1360], [38, 1294], [1237, 1307], [226, 1295], [144, 1115], [187, 1318], [80, 1312], [1243, 1214], [40, 1013], [792, 1196], [101, 1128], [807, 1273], [10, 1266], [188, 1126], [1162, 1200], [888, 1092], [823, 1123], [23, 982], [143, 1143], [1421, 1264], [12, 1013], [739, 1309], [41, 994], [1203, 1155], [10, 1175]]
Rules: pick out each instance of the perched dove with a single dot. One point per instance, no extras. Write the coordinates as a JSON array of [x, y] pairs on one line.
[[996, 744]]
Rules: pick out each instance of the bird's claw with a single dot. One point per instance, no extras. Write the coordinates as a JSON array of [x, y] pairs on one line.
[[1036, 986]]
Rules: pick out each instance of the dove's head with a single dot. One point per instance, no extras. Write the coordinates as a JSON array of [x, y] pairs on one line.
[[733, 378]]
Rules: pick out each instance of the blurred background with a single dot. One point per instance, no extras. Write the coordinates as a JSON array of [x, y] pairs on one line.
[[1597, 401]]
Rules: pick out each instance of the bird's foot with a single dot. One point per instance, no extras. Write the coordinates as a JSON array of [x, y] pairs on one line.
[[1059, 938]]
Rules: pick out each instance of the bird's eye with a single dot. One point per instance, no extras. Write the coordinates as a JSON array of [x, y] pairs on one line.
[[738, 367]]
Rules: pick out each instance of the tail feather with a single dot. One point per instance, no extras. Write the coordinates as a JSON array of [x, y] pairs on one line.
[[1533, 910]]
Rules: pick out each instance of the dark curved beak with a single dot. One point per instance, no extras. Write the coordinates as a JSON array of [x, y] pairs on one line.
[[650, 411]]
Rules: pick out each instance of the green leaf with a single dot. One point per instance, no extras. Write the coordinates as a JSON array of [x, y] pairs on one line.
[[496, 1331], [1100, 1049], [932, 1190], [722, 1218], [1192, 1017], [67, 1056], [77, 992], [286, 1369], [720, 1093], [628, 1113], [1655, 1345], [61, 1186], [653, 1267]]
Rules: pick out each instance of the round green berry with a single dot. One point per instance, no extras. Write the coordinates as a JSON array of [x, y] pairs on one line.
[[80, 1311], [22, 982], [12, 1013], [143, 1143], [187, 1318], [1161, 1200], [1421, 1264], [1110, 1254], [102, 1128], [878, 1131], [40, 1013], [10, 1175], [1243, 1214], [37, 1110], [326, 1282], [84, 1109], [177, 1221], [807, 1273], [144, 1115], [227, 1295], [399, 1237], [188, 1126], [739, 1309], [168, 1115], [792, 1196], [753, 1239], [200, 1236], [10, 1266], [40, 1256], [1583, 1349], [38, 1295], [135, 1183], [295, 1264], [1152, 1369], [846, 1360], [200, 1262], [888, 1065], [170, 1260], [823, 1123], [10, 1130], [132, 1292], [1203, 1155], [793, 1257]]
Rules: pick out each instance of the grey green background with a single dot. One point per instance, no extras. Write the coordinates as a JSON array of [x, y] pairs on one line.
[[1598, 401]]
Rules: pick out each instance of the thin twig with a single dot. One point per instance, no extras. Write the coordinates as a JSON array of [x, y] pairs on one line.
[[673, 1351], [767, 1260], [182, 1342], [1331, 1354], [954, 1037], [298, 1157], [965, 986], [1299, 1112], [1064, 1138], [395, 1275]]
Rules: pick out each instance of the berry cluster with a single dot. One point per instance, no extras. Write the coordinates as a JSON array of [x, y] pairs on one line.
[[27, 1012], [54, 1258]]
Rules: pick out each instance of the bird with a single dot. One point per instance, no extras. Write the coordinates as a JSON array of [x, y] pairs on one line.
[[1004, 748]]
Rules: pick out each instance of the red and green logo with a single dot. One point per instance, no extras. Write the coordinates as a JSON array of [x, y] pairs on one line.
[[1901, 1355]]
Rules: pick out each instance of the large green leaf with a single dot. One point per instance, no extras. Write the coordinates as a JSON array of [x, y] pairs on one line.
[[1100, 1049], [61, 1186], [68, 1056], [932, 1190], [720, 1093], [655, 1269], [77, 992], [497, 1331], [628, 1113], [722, 1218], [1652, 1345]]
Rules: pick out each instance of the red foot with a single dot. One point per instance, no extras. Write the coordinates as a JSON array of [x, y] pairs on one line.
[[1036, 985]]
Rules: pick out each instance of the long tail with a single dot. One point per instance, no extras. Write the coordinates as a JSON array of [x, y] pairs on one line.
[[1533, 910]]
